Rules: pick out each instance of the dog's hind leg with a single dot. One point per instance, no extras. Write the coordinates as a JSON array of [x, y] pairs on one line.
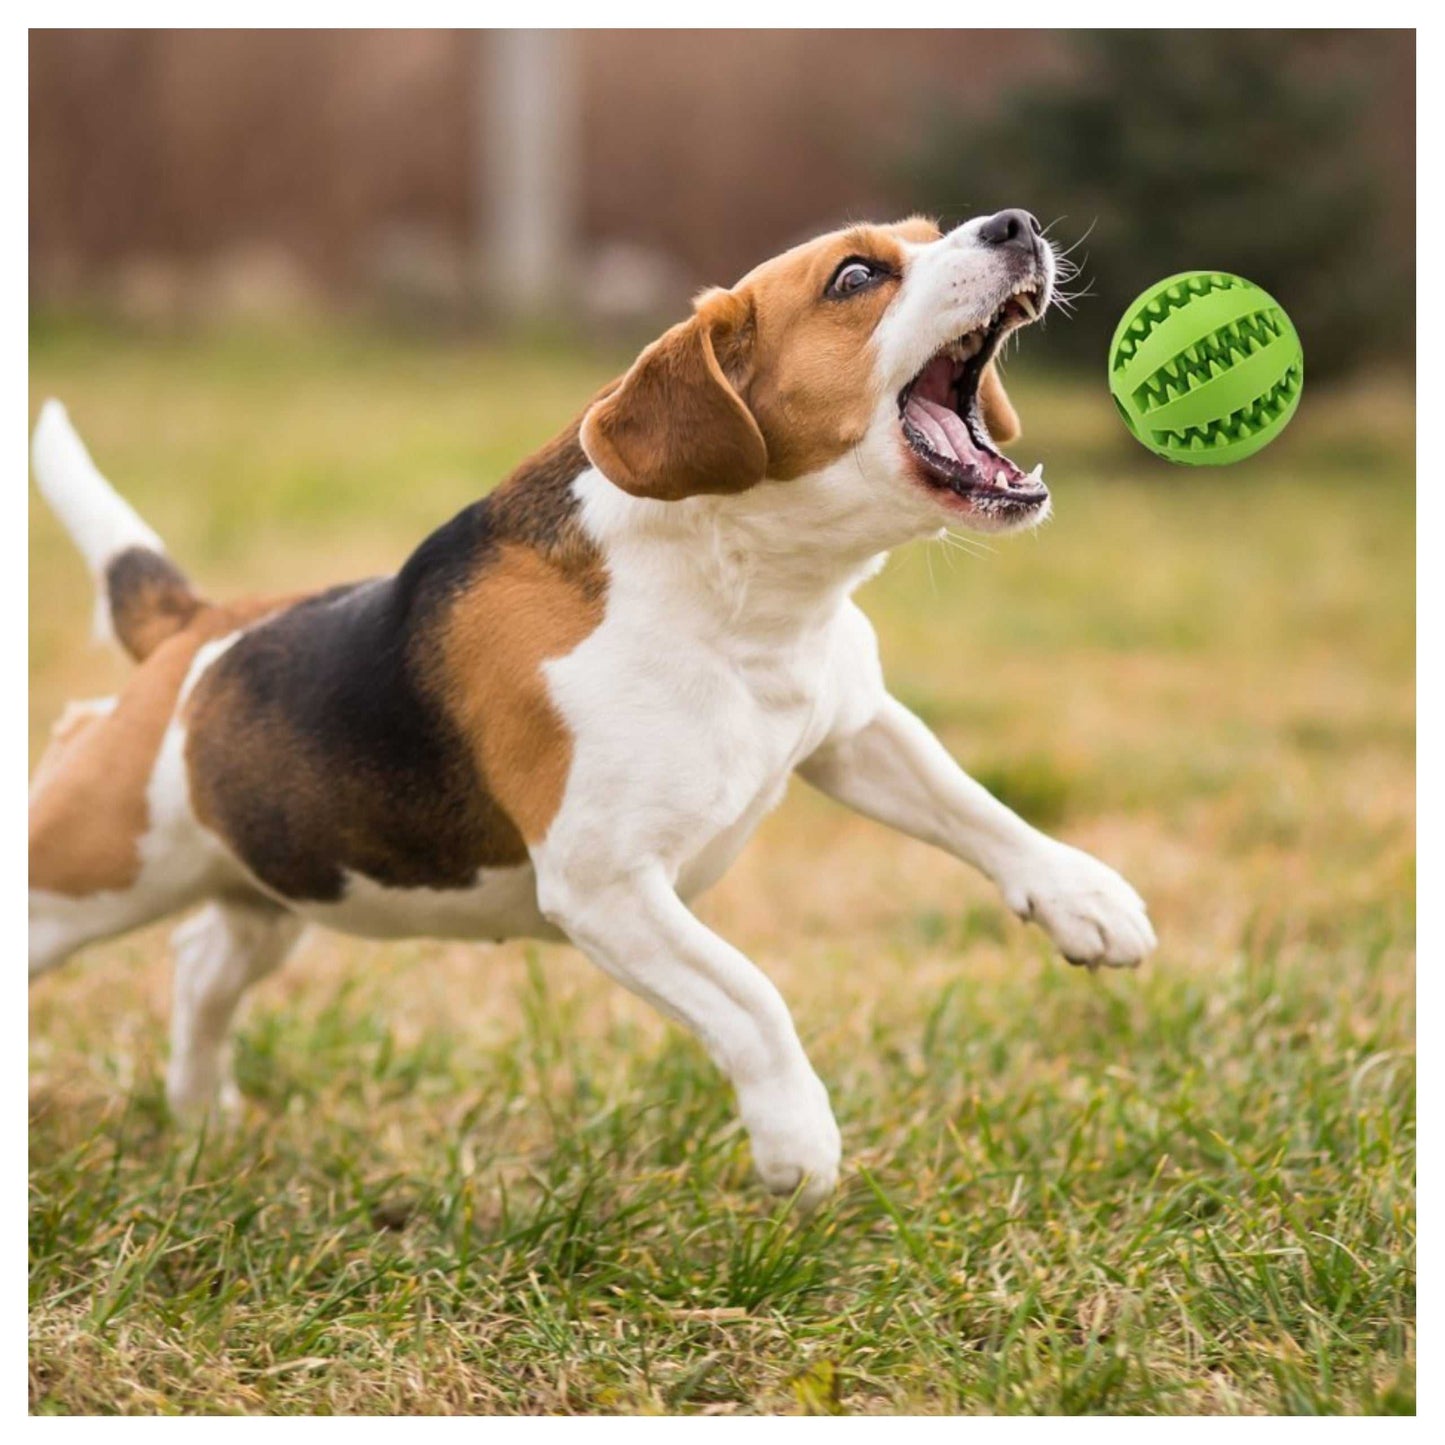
[[219, 954], [61, 926], [173, 879], [103, 862]]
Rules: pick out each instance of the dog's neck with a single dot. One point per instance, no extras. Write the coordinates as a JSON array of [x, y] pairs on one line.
[[773, 563]]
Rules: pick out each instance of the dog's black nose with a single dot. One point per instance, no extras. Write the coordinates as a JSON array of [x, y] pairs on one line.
[[1010, 228]]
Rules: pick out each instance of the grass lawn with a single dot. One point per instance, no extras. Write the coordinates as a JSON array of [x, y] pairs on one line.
[[475, 1179]]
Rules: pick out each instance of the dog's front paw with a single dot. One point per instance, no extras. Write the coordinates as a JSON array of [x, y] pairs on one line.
[[1089, 911], [796, 1144]]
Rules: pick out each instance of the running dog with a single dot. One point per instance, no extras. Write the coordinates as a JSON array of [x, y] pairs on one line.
[[567, 712]]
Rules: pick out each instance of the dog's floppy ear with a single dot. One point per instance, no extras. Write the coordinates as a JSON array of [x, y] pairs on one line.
[[675, 425], [999, 415]]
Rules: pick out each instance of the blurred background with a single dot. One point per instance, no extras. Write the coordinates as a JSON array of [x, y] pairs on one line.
[[444, 178]]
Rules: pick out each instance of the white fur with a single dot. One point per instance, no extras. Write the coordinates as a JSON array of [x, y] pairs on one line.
[[729, 655], [501, 903], [179, 863], [99, 520], [951, 285], [220, 952]]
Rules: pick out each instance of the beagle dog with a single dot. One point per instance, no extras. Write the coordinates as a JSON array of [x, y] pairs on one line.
[[569, 709]]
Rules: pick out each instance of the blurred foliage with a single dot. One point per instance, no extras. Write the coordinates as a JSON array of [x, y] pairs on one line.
[[1176, 150]]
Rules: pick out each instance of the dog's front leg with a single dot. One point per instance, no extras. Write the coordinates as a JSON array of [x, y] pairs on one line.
[[639, 931], [895, 770]]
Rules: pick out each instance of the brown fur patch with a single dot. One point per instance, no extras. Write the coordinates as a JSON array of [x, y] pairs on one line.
[[675, 426], [999, 415], [811, 382], [521, 611], [77, 719], [307, 774], [540, 595], [150, 599], [771, 378], [534, 504], [400, 729], [88, 809]]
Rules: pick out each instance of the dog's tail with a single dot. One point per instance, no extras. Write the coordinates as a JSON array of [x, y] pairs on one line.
[[142, 597]]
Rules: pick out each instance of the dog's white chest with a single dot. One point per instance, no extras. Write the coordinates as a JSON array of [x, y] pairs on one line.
[[763, 742], [684, 743]]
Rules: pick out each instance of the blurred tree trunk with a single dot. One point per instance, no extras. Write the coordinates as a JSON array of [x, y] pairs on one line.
[[528, 191]]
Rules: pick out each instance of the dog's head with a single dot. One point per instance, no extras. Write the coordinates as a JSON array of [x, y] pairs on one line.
[[863, 360]]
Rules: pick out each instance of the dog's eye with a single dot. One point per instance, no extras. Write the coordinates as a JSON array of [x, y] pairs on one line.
[[853, 276]]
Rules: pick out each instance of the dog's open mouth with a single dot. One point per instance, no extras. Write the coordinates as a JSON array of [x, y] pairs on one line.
[[944, 428]]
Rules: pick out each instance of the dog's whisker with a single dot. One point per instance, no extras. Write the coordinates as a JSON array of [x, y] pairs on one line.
[[971, 546], [1069, 250]]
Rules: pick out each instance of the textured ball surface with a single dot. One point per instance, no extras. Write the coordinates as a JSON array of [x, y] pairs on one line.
[[1206, 368]]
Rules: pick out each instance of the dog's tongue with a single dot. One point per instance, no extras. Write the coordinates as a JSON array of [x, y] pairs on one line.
[[946, 433]]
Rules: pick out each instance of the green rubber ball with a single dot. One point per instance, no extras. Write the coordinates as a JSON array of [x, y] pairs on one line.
[[1206, 368]]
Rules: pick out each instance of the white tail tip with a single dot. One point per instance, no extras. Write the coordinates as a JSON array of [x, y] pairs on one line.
[[99, 520]]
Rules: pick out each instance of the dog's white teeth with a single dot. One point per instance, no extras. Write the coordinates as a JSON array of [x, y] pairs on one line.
[[965, 348], [1027, 303], [1037, 475]]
